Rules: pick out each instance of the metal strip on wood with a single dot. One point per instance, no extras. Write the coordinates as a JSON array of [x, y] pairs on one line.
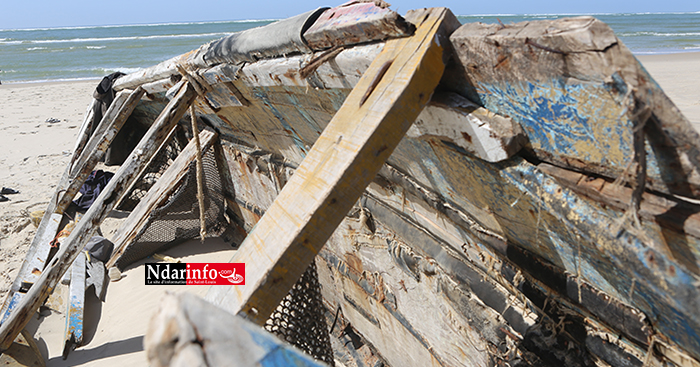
[[342, 162]]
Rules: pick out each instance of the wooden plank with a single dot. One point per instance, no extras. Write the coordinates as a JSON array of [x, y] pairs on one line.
[[539, 215], [146, 148], [75, 310], [342, 162], [156, 195], [452, 118], [343, 71], [101, 126], [188, 331], [671, 214], [69, 185], [95, 149], [574, 88], [34, 262], [354, 23], [83, 135]]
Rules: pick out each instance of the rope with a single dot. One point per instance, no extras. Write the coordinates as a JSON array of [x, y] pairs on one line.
[[200, 176], [201, 87]]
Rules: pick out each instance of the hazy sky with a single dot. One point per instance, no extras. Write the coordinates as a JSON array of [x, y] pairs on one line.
[[52, 13]]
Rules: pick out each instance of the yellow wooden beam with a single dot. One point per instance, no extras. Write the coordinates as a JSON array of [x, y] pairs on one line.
[[343, 161]]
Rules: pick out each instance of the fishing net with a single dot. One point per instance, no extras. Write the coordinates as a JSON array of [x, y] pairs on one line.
[[177, 219], [299, 318]]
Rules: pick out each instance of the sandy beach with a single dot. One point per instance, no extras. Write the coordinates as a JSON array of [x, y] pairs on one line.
[[38, 127]]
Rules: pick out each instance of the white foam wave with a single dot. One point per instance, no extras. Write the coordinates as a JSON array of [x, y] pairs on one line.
[[123, 70], [107, 39], [36, 48], [95, 47], [658, 34]]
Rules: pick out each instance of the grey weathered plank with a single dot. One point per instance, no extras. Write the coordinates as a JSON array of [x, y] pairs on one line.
[[452, 118], [344, 159], [356, 22], [188, 331], [87, 225], [576, 91]]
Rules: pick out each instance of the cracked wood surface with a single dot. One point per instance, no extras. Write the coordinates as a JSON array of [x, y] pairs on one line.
[[334, 173]]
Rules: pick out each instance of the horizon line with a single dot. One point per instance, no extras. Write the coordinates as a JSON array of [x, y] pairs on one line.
[[29, 29]]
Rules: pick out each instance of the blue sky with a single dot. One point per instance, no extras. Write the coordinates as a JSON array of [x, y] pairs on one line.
[[53, 13]]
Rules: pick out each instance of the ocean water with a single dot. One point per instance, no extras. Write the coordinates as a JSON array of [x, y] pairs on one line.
[[41, 54]]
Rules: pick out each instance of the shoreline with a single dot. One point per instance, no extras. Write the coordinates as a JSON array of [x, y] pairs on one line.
[[648, 56]]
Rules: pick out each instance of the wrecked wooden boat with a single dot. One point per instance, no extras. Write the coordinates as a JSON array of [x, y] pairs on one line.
[[472, 195]]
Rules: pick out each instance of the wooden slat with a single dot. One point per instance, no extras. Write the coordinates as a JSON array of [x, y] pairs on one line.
[[156, 195], [99, 129], [85, 128], [85, 228], [76, 306], [71, 181], [342, 162], [95, 149]]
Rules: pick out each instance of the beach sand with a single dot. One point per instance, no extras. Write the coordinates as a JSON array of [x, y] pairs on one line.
[[34, 156]]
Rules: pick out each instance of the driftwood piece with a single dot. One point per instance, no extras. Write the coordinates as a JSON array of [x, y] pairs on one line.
[[577, 91], [87, 225], [156, 195], [454, 119], [188, 331], [342, 162], [354, 23]]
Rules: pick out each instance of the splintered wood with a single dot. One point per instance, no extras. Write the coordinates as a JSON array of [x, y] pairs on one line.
[[343, 161]]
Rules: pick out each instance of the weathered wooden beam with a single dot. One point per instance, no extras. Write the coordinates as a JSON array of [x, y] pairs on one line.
[[100, 127], [73, 178], [85, 128], [574, 88], [156, 195], [96, 147], [85, 228], [671, 214], [188, 331], [75, 306], [356, 22], [342, 162], [452, 118]]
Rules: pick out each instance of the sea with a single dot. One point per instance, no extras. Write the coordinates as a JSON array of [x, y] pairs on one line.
[[75, 53]]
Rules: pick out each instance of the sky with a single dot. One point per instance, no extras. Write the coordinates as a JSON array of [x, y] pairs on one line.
[[53, 13]]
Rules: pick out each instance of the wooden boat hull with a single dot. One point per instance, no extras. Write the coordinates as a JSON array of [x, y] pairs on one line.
[[497, 231]]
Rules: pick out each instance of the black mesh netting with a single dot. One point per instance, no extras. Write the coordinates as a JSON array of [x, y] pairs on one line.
[[177, 220], [163, 159], [299, 318]]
